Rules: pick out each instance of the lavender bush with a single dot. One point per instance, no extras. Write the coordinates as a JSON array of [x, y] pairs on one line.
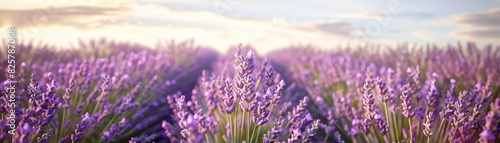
[[402, 94], [246, 104], [106, 96]]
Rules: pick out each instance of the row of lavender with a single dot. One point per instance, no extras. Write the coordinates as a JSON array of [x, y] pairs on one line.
[[242, 100], [403, 93], [108, 92]]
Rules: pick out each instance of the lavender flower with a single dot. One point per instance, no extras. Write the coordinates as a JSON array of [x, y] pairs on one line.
[[368, 100], [81, 128], [432, 95], [382, 126], [406, 102], [488, 133], [260, 116], [428, 124]]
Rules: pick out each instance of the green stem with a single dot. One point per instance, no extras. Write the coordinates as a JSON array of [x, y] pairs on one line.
[[235, 122], [357, 138], [439, 129], [411, 132], [253, 133], [248, 127], [206, 137], [326, 138], [62, 122], [232, 127], [377, 135], [32, 137], [243, 124], [396, 128], [388, 119]]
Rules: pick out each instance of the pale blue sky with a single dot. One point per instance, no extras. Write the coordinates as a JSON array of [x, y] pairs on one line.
[[265, 24]]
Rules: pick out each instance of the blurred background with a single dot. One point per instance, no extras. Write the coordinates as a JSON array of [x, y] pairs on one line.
[[263, 24]]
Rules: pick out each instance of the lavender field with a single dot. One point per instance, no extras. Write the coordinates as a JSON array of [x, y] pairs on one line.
[[106, 91], [249, 71]]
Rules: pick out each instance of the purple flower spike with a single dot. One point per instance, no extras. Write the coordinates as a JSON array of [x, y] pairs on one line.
[[433, 94], [368, 100], [428, 124], [491, 125], [81, 128], [406, 103]]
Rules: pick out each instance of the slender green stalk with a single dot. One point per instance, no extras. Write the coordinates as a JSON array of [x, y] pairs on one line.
[[388, 119], [245, 124], [357, 138], [396, 128], [326, 138], [411, 130], [439, 129], [206, 137], [253, 133], [237, 132], [230, 122]]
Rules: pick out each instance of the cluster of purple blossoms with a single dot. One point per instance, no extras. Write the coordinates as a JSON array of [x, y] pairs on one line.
[[240, 105]]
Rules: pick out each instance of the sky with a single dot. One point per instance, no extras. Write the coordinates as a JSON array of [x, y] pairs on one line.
[[266, 25]]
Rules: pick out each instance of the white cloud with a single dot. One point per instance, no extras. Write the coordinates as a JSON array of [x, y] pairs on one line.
[[422, 34], [359, 15], [473, 26], [64, 16], [146, 24]]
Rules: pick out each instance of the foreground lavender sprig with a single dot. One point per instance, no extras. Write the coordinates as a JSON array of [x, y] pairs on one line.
[[491, 126], [258, 118]]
